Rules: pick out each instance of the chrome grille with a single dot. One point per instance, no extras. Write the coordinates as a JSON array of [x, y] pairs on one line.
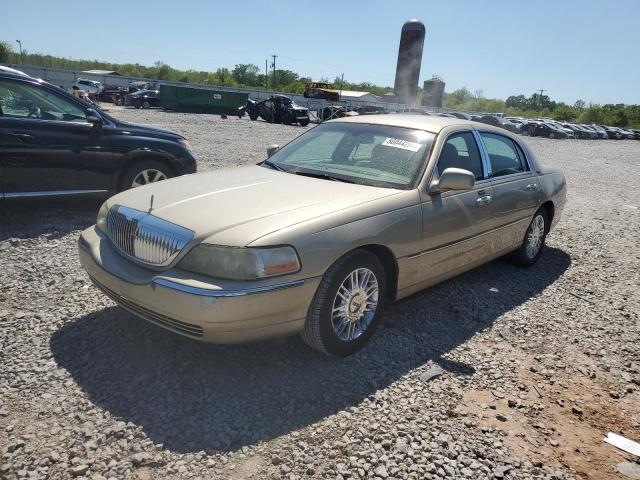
[[144, 237]]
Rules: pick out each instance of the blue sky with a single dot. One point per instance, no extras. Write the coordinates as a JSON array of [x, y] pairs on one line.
[[574, 49]]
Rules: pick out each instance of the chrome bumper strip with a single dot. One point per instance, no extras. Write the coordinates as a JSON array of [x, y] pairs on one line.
[[208, 292]]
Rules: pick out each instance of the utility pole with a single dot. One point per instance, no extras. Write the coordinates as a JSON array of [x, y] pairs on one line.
[[21, 56], [266, 74], [341, 83], [542, 90], [273, 65]]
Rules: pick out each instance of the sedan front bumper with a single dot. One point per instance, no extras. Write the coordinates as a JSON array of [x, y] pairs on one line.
[[213, 311]]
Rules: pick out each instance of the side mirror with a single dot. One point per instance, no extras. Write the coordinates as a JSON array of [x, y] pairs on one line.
[[453, 179], [271, 149], [94, 117]]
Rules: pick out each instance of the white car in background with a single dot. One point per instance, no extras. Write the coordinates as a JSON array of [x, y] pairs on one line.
[[89, 86]]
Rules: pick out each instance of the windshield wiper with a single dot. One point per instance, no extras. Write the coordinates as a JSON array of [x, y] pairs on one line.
[[275, 166], [325, 176]]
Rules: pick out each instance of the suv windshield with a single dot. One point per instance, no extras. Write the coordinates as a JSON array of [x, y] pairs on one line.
[[376, 155]]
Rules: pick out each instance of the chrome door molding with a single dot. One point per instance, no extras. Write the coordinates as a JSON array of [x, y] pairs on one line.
[[51, 193], [484, 154], [466, 239]]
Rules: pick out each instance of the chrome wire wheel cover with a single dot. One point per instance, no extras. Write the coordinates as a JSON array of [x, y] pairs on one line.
[[535, 236], [150, 175], [355, 304]]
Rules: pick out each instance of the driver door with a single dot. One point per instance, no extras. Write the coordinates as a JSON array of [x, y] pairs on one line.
[[49, 147], [457, 224]]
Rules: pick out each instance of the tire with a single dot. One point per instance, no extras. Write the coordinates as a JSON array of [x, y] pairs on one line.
[[304, 123], [253, 116], [135, 173], [552, 135], [524, 257], [145, 104], [320, 332]]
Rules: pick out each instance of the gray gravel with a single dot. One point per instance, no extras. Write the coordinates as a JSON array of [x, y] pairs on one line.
[[499, 373]]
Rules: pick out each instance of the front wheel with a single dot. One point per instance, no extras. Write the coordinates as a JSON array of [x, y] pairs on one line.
[[345, 310], [533, 242], [143, 173], [145, 104], [304, 123]]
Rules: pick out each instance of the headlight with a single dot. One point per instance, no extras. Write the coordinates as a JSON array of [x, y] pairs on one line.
[[186, 145], [101, 221], [241, 263]]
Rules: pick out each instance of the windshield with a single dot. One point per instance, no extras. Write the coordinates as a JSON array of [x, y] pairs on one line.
[[376, 155]]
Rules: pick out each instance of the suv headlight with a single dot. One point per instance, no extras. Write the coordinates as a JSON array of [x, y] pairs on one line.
[[101, 221], [186, 145], [241, 263]]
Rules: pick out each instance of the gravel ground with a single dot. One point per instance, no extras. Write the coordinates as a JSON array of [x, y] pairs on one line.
[[499, 373]]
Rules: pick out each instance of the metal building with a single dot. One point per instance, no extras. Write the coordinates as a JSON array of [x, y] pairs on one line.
[[433, 92], [409, 61]]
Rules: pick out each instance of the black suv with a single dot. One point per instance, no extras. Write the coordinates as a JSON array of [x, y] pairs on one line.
[[53, 143], [278, 109], [143, 99]]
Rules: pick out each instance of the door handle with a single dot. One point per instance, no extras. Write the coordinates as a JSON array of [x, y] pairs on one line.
[[23, 137], [531, 187], [484, 200]]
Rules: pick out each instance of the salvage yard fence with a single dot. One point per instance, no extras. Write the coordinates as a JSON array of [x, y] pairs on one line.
[[66, 78]]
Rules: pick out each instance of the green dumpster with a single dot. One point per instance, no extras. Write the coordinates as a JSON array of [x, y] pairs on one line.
[[201, 100]]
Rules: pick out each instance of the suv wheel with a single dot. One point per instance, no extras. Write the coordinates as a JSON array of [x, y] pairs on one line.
[[143, 173]]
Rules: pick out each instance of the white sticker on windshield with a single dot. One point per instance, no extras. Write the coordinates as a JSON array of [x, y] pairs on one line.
[[403, 144]]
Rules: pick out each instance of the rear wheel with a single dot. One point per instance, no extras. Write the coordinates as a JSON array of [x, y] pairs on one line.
[[144, 173], [533, 242], [345, 310], [304, 122]]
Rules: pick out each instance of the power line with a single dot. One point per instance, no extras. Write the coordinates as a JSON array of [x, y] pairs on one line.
[[542, 90], [274, 71]]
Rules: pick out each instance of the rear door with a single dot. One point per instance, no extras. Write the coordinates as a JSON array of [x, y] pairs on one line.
[[49, 147], [516, 191]]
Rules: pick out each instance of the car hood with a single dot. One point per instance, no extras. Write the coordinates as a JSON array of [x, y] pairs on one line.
[[148, 130], [236, 206]]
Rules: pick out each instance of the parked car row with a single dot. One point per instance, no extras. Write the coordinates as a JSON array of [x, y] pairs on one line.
[[555, 129]]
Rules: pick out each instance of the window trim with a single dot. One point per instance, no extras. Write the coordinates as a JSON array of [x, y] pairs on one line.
[[482, 159], [66, 97], [519, 150]]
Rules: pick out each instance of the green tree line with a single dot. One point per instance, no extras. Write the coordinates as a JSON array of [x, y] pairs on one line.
[[251, 76]]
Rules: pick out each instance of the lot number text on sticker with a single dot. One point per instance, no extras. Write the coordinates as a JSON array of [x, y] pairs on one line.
[[403, 144]]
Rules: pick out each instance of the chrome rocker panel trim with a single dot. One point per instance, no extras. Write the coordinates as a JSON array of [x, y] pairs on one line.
[[51, 193]]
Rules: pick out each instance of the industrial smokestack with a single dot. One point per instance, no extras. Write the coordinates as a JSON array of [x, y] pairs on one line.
[[409, 61]]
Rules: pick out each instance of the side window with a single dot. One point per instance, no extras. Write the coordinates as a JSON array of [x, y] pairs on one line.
[[22, 100], [461, 151], [504, 156]]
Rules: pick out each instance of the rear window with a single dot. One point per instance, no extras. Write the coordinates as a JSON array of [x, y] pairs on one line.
[[504, 156]]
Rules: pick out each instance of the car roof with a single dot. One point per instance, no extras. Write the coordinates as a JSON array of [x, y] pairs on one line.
[[430, 123]]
